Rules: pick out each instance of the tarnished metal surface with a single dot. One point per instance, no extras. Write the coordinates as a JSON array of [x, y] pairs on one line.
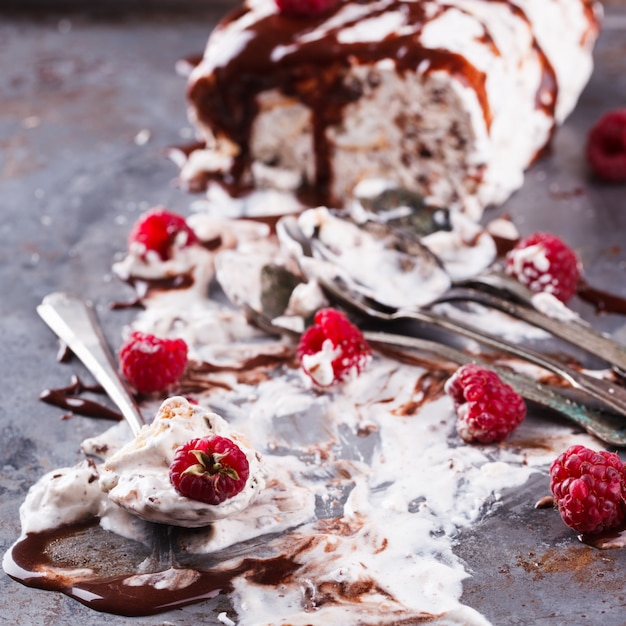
[[86, 109]]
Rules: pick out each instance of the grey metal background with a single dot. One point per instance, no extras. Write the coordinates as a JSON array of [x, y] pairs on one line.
[[75, 90]]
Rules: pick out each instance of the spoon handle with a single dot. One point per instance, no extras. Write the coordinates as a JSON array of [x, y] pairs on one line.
[[604, 391], [574, 332], [74, 321]]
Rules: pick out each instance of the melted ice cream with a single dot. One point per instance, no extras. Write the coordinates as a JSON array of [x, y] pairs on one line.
[[366, 484]]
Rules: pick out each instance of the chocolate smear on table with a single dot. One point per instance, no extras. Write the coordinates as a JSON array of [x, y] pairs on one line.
[[53, 560], [69, 399], [203, 375], [603, 301]]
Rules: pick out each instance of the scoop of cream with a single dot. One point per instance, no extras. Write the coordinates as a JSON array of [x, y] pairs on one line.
[[136, 477], [64, 496]]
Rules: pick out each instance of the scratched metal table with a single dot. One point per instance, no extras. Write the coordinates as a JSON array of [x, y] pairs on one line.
[[88, 104]]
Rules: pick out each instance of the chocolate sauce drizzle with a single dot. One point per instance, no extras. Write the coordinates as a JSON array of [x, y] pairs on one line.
[[314, 72], [603, 301], [68, 398], [143, 286]]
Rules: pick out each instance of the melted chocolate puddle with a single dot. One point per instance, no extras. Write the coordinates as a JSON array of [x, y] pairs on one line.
[[93, 576]]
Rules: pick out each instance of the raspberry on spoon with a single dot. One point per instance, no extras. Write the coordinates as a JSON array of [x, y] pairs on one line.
[[160, 231], [589, 489], [606, 146], [152, 364], [544, 263], [489, 410], [332, 349], [209, 469]]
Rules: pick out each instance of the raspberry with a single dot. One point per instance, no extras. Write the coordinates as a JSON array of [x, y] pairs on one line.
[[305, 8], [160, 230], [333, 349], [543, 262], [606, 146], [589, 488], [488, 409], [209, 469], [152, 364]]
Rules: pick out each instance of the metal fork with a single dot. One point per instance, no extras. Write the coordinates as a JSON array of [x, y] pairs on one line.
[[607, 393], [608, 428]]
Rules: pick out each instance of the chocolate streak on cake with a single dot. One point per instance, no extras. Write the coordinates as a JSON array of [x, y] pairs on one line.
[[589, 7], [548, 91], [66, 398], [314, 73]]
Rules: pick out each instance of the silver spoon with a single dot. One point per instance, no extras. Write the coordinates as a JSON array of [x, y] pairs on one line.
[[271, 294], [74, 322], [405, 210], [491, 290]]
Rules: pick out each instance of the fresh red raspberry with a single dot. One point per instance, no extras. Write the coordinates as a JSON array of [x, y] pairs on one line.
[[160, 230], [305, 8], [543, 262], [589, 488], [332, 349], [488, 409], [152, 364], [606, 146], [209, 469]]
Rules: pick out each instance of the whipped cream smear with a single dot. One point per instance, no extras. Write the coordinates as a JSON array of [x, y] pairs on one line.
[[361, 488]]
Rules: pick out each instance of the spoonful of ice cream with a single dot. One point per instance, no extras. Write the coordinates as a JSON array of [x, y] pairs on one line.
[[137, 477]]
